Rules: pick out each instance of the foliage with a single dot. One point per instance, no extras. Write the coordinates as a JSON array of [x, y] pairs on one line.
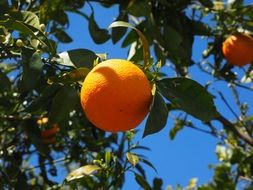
[[37, 81]]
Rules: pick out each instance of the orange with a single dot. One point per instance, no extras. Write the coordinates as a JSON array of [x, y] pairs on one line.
[[116, 95], [51, 140], [50, 132], [238, 49]]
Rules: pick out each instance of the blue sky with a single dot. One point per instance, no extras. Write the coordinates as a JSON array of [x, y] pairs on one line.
[[176, 161]]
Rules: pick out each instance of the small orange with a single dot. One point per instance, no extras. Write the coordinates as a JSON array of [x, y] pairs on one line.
[[50, 140], [116, 95], [238, 49], [50, 132]]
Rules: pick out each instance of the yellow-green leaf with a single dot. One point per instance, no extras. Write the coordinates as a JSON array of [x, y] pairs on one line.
[[146, 52], [87, 170], [132, 158]]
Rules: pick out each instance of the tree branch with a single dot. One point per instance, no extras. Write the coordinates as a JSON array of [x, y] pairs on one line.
[[237, 131]]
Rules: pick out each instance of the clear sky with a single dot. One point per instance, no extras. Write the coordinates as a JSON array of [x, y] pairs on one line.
[[176, 161]]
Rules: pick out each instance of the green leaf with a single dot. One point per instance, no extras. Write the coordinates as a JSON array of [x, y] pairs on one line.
[[4, 5], [108, 157], [81, 172], [157, 183], [140, 8], [179, 125], [63, 103], [142, 182], [77, 58], [98, 35], [172, 38], [200, 28], [118, 33], [26, 17], [157, 117], [5, 83], [132, 158], [189, 96], [76, 75], [146, 52], [148, 163], [32, 68], [207, 3], [62, 36], [27, 29], [130, 38], [47, 94]]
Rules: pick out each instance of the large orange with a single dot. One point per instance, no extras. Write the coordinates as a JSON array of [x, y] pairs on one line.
[[116, 95], [238, 49]]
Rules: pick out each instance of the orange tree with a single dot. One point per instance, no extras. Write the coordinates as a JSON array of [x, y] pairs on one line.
[[40, 88]]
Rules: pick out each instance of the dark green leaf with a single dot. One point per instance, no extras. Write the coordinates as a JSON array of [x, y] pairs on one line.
[[129, 39], [76, 75], [118, 33], [159, 54], [4, 5], [47, 95], [207, 3], [157, 117], [78, 58], [172, 38], [199, 28], [157, 183], [139, 168], [142, 182], [26, 17], [63, 103], [189, 96], [140, 8], [98, 35], [148, 163], [62, 36], [5, 83], [32, 68]]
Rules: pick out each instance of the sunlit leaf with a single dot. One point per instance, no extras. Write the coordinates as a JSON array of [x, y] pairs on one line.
[[81, 172], [132, 158], [27, 17], [27, 29], [146, 52]]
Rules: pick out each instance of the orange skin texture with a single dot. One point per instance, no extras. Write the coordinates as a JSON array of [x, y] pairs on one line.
[[116, 95], [50, 132], [238, 49]]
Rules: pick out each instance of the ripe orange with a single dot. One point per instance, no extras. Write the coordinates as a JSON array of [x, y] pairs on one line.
[[50, 140], [238, 49], [116, 95], [50, 132]]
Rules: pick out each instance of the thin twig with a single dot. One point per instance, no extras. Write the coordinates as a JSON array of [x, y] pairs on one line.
[[237, 131]]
